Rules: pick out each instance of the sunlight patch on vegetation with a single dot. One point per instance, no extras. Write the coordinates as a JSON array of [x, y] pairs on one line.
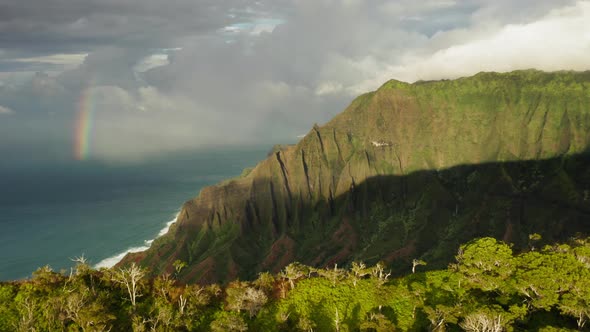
[[488, 288]]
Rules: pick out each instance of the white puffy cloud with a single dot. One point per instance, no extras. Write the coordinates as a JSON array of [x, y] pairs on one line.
[[557, 41]]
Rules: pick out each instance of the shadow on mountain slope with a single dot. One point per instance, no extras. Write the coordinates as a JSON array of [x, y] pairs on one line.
[[381, 181], [394, 219]]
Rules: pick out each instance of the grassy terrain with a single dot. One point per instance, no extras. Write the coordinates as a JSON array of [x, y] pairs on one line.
[[408, 171]]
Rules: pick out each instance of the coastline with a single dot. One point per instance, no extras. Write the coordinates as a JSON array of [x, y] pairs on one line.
[[67, 210], [112, 260]]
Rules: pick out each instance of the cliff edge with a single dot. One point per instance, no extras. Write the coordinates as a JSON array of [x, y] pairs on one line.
[[407, 171]]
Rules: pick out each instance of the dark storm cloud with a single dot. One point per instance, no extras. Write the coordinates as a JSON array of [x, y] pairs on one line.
[[62, 26]]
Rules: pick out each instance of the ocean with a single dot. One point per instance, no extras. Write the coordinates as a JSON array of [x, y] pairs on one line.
[[52, 213]]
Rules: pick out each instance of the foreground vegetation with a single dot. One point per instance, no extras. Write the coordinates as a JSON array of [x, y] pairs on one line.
[[487, 289]]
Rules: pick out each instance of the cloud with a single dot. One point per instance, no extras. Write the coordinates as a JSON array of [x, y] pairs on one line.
[[329, 87], [195, 74], [557, 41], [255, 27], [5, 110], [57, 25], [57, 59], [151, 61]]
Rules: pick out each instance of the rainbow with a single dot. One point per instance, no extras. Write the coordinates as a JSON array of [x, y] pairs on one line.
[[84, 125]]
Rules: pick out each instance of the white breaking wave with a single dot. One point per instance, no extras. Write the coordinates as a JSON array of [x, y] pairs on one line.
[[111, 261]]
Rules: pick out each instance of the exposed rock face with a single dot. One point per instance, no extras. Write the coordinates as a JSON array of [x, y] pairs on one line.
[[494, 154]]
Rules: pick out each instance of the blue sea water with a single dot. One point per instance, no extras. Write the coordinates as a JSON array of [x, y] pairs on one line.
[[52, 213]]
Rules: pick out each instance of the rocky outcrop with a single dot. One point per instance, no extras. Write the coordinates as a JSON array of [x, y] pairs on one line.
[[407, 171]]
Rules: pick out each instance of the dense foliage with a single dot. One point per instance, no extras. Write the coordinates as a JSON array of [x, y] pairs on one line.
[[407, 171], [487, 289]]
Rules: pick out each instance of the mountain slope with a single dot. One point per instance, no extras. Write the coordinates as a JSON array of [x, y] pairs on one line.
[[407, 171]]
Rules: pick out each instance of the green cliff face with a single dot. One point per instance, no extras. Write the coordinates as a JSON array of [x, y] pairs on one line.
[[408, 171]]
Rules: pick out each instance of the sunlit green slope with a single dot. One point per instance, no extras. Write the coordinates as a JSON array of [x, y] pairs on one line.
[[408, 171]]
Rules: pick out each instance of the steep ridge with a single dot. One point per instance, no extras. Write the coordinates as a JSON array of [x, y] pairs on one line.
[[408, 171]]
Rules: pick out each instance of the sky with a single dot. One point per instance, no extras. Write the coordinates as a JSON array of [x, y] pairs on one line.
[[125, 81]]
